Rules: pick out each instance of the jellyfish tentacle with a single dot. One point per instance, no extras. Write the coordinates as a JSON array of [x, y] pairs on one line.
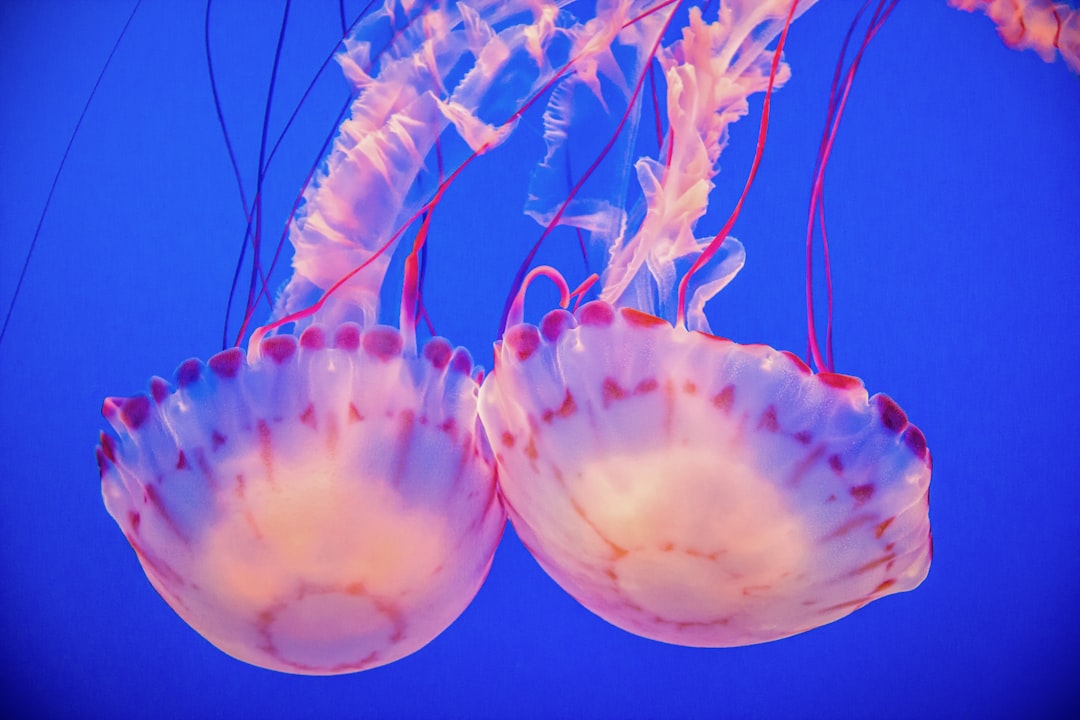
[[366, 193], [592, 56], [842, 82], [710, 250], [710, 73], [264, 291]]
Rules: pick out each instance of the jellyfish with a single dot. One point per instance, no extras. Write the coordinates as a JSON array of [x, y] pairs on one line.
[[325, 502], [1044, 26], [681, 486]]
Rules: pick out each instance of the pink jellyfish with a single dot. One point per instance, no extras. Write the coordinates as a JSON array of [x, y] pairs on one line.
[[684, 487], [1044, 26], [326, 503]]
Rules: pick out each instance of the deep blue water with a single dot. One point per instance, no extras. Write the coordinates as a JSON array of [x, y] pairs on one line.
[[954, 211]]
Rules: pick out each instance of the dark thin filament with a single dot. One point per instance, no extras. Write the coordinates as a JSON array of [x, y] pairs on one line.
[[263, 291], [60, 169], [256, 240], [837, 101], [235, 168]]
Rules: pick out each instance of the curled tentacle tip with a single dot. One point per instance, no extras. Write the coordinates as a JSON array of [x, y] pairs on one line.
[[254, 351]]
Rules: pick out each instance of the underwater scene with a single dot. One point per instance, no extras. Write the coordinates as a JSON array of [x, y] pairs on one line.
[[530, 359]]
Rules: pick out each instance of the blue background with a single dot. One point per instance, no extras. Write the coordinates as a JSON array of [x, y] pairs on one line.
[[954, 211]]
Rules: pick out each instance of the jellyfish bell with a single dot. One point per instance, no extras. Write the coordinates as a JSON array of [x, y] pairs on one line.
[[681, 486], [323, 509], [697, 491]]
